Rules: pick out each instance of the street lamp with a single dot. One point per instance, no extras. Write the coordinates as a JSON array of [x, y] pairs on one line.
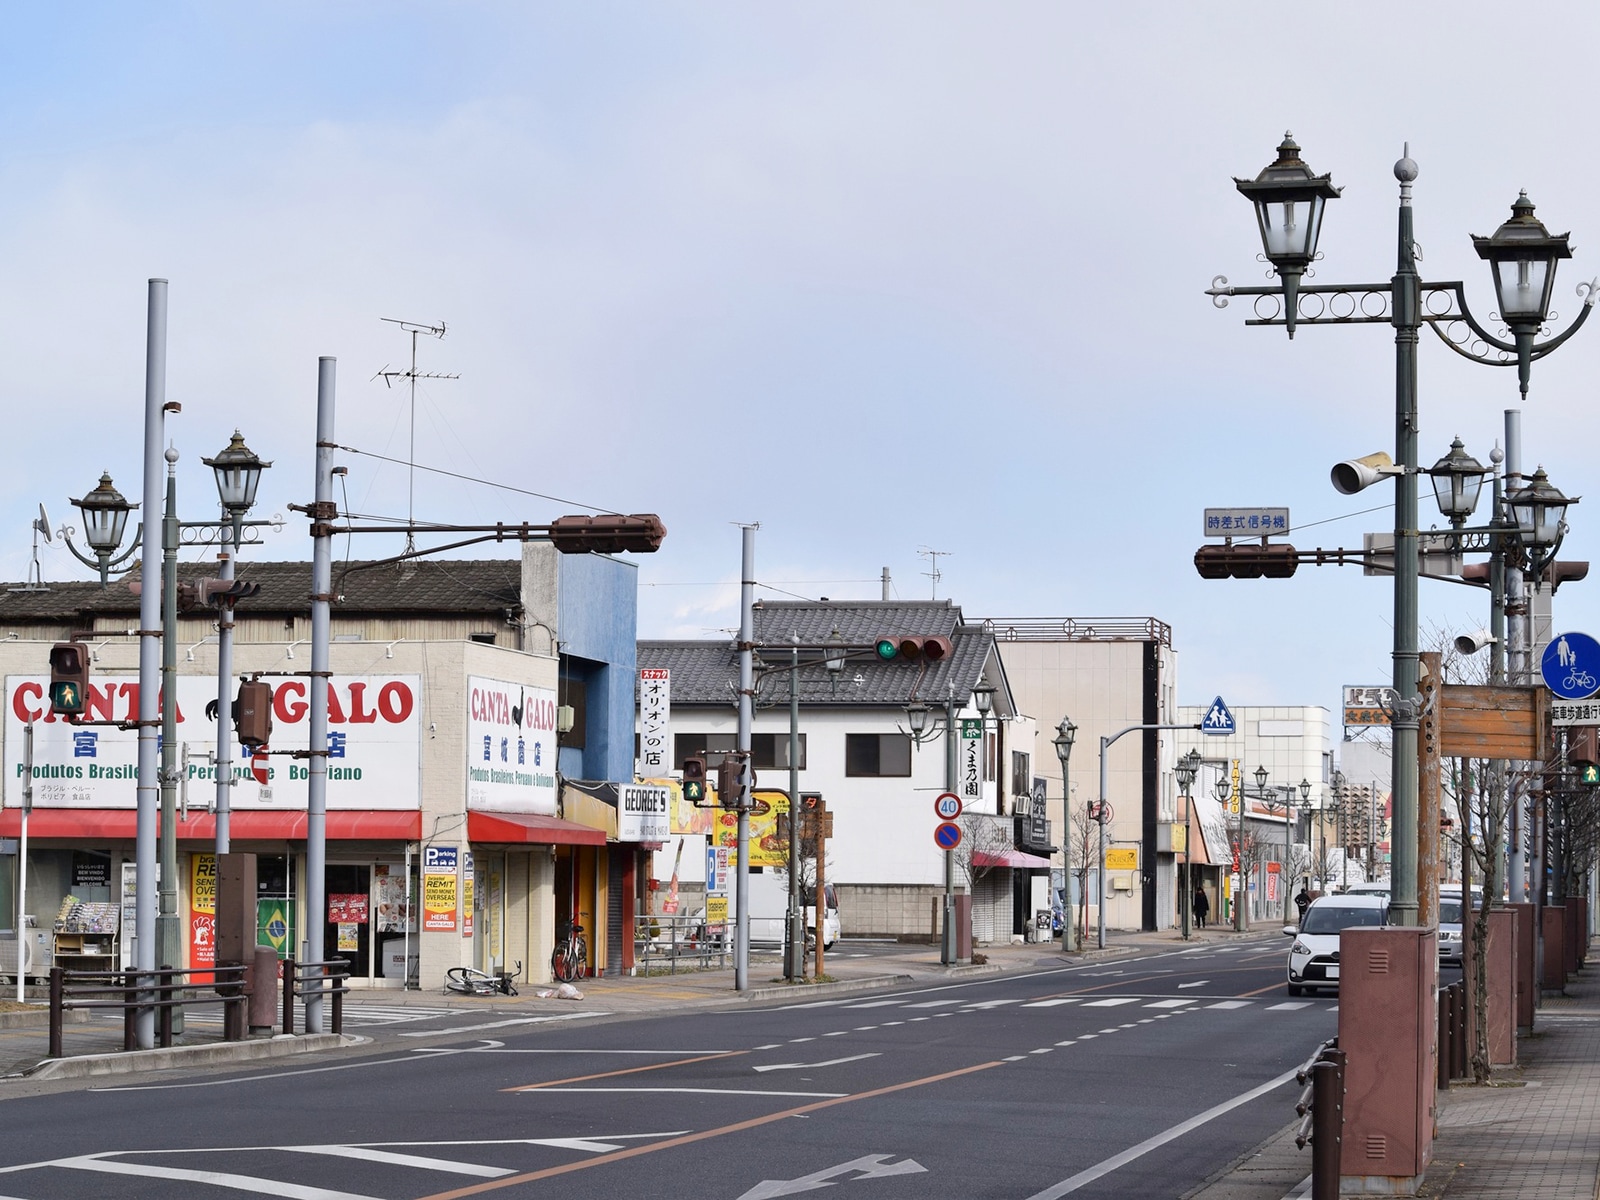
[[1222, 790], [105, 518], [1540, 512], [1457, 480], [1289, 201], [1188, 767], [1066, 734]]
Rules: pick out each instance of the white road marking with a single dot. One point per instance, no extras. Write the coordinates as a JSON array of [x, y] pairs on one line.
[[1116, 1161], [874, 1004], [243, 1183], [1043, 1050], [1084, 1037], [771, 1046], [1231, 1004], [390, 1158], [1053, 1003], [869, 1166], [890, 1024], [1181, 1002], [1196, 983], [990, 1003], [1068, 1042], [792, 1041], [935, 1003], [1288, 1005], [451, 1032], [1112, 1002], [832, 1062]]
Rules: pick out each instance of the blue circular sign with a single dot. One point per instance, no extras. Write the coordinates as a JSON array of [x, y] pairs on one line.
[[1571, 666], [946, 835]]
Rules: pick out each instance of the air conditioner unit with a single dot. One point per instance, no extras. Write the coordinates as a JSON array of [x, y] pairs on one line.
[[36, 954]]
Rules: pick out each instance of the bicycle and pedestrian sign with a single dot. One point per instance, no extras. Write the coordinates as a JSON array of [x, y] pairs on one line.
[[1570, 666]]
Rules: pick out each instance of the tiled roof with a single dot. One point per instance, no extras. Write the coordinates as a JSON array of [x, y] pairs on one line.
[[454, 586], [707, 672]]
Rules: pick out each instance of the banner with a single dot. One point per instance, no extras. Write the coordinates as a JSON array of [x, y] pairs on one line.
[[439, 888], [374, 744], [767, 848], [971, 769], [511, 747], [202, 914], [655, 717]]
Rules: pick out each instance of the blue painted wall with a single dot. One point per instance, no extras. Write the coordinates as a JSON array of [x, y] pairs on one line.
[[599, 623]]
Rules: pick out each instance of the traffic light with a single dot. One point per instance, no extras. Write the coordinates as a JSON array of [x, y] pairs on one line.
[[252, 714], [1275, 560], [609, 533], [69, 678], [694, 779], [731, 772], [912, 648], [1583, 745]]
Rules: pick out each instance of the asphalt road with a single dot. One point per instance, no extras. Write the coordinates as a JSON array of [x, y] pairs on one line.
[[1140, 1077]]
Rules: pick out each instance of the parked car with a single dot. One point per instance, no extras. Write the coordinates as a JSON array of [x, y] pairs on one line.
[[1451, 922], [1314, 955]]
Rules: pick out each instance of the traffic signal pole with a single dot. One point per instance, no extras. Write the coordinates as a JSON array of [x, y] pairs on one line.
[[1105, 744], [741, 877]]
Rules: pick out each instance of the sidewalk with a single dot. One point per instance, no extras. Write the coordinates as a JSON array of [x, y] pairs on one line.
[[1534, 1131]]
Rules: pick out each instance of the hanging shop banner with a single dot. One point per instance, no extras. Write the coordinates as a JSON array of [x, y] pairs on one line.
[[643, 813], [347, 908], [374, 744], [439, 888], [469, 889], [655, 716], [511, 747], [971, 760], [202, 914]]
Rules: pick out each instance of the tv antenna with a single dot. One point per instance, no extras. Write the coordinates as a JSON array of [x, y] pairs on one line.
[[414, 328], [41, 524], [933, 572]]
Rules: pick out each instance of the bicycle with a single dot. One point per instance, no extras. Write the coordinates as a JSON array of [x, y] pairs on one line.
[[469, 981], [571, 954], [1579, 679]]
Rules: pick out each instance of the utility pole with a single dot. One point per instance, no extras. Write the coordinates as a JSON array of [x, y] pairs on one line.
[[741, 877]]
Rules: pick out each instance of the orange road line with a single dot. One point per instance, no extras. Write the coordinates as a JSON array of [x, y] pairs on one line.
[[1271, 987], [690, 1138], [677, 1062]]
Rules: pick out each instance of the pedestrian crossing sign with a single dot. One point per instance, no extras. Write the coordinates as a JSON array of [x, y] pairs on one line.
[[1590, 775], [1218, 720]]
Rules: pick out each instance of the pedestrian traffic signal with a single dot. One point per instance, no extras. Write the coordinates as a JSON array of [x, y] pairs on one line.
[[252, 714], [912, 648], [1590, 775], [1583, 745], [1276, 560], [731, 779], [694, 779], [69, 678]]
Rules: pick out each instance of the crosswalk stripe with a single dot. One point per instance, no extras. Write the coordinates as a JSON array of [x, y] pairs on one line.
[[1287, 1005], [1053, 1003], [1112, 1002], [1231, 1004], [1180, 1003], [990, 1003], [934, 1003]]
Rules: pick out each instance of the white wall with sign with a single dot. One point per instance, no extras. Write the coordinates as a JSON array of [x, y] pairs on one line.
[[511, 747], [374, 743], [644, 813]]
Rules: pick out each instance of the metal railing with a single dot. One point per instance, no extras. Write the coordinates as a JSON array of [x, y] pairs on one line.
[[165, 990], [1321, 1112], [1452, 1033], [665, 940], [306, 980]]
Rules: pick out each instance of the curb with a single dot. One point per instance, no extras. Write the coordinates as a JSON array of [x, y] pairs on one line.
[[40, 1016], [126, 1063], [836, 988]]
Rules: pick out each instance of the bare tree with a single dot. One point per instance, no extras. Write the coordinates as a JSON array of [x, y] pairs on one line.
[[1081, 850]]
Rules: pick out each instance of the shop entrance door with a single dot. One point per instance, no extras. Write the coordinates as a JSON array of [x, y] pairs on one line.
[[349, 927]]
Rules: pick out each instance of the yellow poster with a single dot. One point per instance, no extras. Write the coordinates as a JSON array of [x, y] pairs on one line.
[[467, 892], [439, 902], [687, 819], [349, 935], [767, 849], [716, 910], [202, 913]]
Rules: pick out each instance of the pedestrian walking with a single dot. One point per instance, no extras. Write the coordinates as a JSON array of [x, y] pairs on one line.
[[1302, 901], [1202, 907]]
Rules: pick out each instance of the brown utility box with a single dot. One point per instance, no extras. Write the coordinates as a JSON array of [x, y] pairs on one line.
[[1555, 948], [1527, 964], [1500, 960], [1388, 1029]]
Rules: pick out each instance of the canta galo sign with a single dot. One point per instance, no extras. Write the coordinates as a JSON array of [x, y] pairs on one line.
[[374, 743], [511, 747]]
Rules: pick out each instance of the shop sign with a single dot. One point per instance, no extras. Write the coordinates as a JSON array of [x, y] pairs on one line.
[[511, 747], [767, 848], [347, 908], [439, 888], [655, 717], [643, 813], [971, 759], [469, 889], [374, 743], [202, 914], [90, 870], [1122, 858]]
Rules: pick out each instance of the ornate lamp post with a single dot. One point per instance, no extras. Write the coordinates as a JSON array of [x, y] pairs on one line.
[[1222, 790], [105, 519], [1066, 734], [1188, 767], [1289, 201]]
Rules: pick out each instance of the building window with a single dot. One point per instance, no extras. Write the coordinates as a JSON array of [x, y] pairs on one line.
[[1021, 774], [768, 751], [877, 755]]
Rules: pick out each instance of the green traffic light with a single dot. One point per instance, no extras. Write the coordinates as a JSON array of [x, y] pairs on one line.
[[1591, 775], [887, 649]]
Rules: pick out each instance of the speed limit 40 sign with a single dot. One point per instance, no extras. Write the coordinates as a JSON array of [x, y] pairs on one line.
[[948, 806]]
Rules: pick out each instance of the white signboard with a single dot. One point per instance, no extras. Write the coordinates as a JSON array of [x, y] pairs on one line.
[[374, 744], [1575, 712], [644, 813], [511, 747], [1246, 522], [655, 715], [971, 766]]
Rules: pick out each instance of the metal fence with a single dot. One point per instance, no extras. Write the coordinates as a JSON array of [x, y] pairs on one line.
[[670, 942], [1321, 1112]]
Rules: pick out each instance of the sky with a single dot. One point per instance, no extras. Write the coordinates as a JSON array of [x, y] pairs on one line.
[[884, 278]]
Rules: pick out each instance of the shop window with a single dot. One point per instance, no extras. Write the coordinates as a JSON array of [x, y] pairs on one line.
[[769, 751], [877, 755], [1021, 774]]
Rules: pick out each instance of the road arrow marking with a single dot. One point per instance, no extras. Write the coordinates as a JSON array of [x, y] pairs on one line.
[[832, 1062], [1196, 983], [869, 1166]]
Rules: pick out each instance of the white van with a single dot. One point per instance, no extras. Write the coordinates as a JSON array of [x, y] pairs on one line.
[[769, 902]]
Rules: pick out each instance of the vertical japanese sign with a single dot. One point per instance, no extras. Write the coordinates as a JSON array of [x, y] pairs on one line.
[[971, 765], [202, 914], [655, 714], [439, 888]]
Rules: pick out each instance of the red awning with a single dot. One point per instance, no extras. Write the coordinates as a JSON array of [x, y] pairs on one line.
[[1015, 859], [250, 825], [524, 828]]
